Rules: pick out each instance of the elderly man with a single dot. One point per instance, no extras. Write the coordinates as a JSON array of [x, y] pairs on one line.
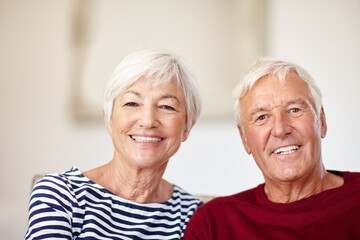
[[281, 123]]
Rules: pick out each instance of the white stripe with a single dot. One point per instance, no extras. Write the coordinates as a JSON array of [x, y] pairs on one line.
[[143, 226], [52, 184], [130, 233], [124, 208], [137, 220], [48, 231]]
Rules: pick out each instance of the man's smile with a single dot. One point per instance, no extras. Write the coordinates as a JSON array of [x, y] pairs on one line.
[[287, 149]]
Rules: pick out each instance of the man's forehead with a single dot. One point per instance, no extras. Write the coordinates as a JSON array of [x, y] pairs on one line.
[[271, 83], [266, 106], [270, 90]]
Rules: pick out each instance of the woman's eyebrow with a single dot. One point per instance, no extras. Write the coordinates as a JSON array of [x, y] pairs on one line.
[[132, 92], [165, 96]]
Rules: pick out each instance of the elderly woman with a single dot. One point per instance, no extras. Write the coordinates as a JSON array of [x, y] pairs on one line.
[[151, 103]]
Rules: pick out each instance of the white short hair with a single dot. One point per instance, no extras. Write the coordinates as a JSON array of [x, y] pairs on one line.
[[159, 66], [269, 66]]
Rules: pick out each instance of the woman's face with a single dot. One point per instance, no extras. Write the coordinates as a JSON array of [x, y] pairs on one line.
[[148, 124]]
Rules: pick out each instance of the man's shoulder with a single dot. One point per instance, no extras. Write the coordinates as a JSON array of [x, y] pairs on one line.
[[239, 199], [347, 175]]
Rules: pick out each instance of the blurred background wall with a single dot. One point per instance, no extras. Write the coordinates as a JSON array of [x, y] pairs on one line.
[[38, 86]]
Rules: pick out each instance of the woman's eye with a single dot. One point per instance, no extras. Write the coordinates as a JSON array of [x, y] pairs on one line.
[[167, 107], [130, 104]]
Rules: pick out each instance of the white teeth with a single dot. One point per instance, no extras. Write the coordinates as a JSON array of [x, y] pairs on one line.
[[146, 139], [287, 150]]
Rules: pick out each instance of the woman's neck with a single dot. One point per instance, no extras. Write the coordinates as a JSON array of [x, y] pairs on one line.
[[137, 185]]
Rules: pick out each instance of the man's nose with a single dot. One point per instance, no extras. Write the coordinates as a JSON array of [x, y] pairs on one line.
[[281, 125], [148, 117]]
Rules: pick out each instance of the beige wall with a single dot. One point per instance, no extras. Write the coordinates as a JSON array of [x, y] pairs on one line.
[[39, 134]]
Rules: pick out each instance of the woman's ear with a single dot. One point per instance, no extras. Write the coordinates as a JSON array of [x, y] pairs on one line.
[[108, 125], [244, 139], [186, 132]]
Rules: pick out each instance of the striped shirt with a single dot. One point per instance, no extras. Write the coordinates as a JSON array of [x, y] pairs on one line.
[[71, 206]]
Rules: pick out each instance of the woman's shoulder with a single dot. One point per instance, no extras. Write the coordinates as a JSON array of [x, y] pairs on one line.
[[66, 185], [70, 178], [54, 191]]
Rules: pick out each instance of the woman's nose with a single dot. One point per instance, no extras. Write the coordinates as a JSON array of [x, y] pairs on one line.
[[281, 125], [148, 118]]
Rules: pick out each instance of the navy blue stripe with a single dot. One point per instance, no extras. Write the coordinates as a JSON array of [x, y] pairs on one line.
[[42, 210], [151, 214], [53, 235], [122, 221], [139, 230], [59, 207]]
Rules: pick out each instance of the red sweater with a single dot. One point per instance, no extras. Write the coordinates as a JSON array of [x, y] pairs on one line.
[[332, 214]]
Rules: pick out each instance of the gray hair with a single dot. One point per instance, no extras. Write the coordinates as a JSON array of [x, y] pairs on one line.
[[271, 67], [159, 66]]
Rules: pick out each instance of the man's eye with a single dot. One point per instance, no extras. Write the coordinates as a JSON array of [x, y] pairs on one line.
[[294, 110], [167, 107], [130, 104], [261, 118]]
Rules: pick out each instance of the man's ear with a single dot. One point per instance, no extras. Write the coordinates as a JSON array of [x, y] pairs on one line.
[[244, 139], [186, 132], [108, 125], [323, 122]]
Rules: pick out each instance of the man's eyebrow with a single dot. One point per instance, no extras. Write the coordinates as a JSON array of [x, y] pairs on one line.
[[293, 101], [257, 110], [296, 101]]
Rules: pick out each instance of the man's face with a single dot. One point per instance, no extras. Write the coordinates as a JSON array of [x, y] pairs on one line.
[[281, 128]]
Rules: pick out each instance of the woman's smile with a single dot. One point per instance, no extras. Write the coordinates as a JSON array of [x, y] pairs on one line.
[[143, 139]]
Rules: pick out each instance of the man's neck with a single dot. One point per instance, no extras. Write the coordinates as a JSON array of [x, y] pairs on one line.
[[286, 192]]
